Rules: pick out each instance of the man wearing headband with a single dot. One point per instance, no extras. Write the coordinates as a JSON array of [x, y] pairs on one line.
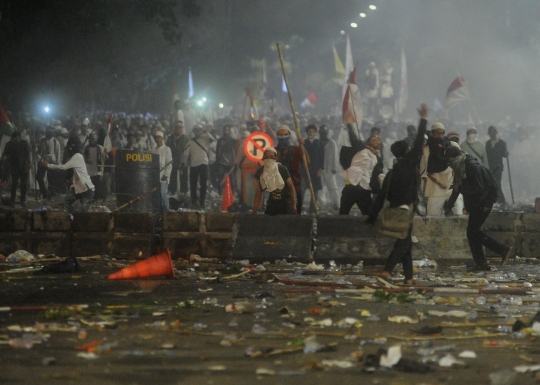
[[357, 178], [291, 157], [274, 178], [479, 190]]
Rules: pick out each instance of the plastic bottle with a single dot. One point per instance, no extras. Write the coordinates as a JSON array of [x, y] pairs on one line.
[[481, 300]]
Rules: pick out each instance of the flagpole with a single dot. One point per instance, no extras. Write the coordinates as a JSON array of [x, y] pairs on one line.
[[304, 158], [352, 101]]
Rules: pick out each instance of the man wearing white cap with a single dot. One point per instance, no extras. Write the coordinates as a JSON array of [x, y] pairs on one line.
[[165, 166], [274, 178]]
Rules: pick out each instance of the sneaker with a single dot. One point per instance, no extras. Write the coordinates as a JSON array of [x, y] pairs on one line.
[[509, 253]]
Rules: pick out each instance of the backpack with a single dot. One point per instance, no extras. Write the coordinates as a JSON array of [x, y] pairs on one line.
[[491, 188]]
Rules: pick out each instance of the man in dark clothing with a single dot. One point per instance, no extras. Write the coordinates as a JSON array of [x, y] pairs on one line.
[[496, 150], [225, 156], [473, 181], [315, 149], [411, 135], [274, 178], [17, 155], [399, 188], [178, 142], [291, 157]]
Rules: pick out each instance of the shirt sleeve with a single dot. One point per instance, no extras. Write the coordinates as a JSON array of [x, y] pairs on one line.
[[284, 172], [75, 161], [168, 160]]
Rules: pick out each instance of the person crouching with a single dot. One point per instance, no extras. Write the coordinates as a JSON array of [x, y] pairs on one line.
[[81, 185], [274, 178]]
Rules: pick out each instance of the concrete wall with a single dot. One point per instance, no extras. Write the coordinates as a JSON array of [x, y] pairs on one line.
[[225, 235]]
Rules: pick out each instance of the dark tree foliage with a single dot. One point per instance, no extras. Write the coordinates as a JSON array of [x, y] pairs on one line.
[[94, 53]]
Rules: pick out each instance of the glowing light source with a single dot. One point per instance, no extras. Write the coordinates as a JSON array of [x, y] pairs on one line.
[[204, 99], [46, 109], [373, 7], [199, 103], [342, 32], [221, 105], [354, 25], [362, 14]]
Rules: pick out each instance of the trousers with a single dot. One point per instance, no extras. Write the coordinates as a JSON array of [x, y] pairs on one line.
[[164, 187], [478, 238], [84, 197], [329, 181], [15, 177], [351, 195], [402, 252], [497, 174], [198, 174], [173, 185]]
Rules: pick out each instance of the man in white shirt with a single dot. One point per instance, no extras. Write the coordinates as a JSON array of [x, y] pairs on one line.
[[94, 157], [198, 155], [330, 166], [357, 177], [81, 188], [165, 166], [49, 151]]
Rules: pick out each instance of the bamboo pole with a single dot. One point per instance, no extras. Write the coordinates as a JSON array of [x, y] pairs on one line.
[[304, 158]]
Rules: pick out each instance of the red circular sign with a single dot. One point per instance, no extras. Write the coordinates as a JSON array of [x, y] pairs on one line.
[[256, 144]]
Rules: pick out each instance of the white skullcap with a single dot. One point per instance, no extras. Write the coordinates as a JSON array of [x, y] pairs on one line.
[[159, 133], [438, 126]]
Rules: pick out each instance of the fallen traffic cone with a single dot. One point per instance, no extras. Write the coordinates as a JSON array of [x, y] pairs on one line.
[[228, 197], [156, 266]]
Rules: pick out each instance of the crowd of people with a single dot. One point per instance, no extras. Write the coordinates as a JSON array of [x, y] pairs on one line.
[[346, 164]]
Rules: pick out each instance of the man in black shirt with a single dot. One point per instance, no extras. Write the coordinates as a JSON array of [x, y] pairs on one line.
[[274, 178], [473, 181], [496, 150], [315, 150], [399, 188], [17, 154]]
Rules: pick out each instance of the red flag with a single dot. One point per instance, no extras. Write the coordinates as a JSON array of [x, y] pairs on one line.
[[457, 92], [352, 77], [312, 98], [3, 115], [107, 145], [352, 105]]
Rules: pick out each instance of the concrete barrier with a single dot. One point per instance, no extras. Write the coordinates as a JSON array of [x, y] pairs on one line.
[[267, 238], [260, 238]]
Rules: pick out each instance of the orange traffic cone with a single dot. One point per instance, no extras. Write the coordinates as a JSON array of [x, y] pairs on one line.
[[228, 198], [155, 266]]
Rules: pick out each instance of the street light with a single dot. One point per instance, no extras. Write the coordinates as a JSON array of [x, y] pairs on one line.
[[342, 32], [221, 105], [362, 14], [204, 99], [354, 25], [373, 7], [46, 109], [199, 103]]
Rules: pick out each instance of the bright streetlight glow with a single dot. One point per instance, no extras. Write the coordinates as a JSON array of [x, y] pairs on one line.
[[372, 7], [342, 32], [221, 105], [204, 99], [354, 25], [362, 14], [199, 103], [46, 109]]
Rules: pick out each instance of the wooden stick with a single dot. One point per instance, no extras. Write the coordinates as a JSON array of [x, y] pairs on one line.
[[295, 118]]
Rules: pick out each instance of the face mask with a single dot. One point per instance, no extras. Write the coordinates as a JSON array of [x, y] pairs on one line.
[[284, 141], [471, 138], [267, 162]]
